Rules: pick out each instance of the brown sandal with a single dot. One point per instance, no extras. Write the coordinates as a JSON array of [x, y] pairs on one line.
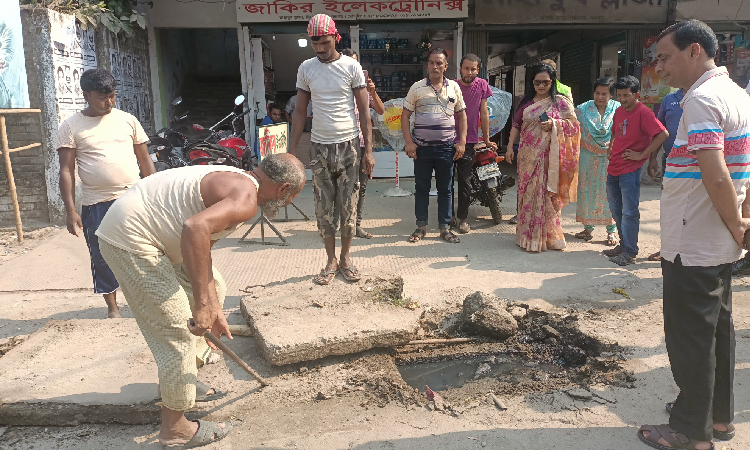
[[585, 235], [449, 237], [325, 277], [417, 236], [720, 435], [674, 439], [655, 256]]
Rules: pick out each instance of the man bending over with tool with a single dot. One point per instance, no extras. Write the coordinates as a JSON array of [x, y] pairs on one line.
[[157, 240]]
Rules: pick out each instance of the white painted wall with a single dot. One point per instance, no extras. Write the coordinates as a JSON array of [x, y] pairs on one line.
[[176, 14]]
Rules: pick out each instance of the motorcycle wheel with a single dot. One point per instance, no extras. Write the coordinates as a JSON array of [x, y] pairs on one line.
[[494, 205]]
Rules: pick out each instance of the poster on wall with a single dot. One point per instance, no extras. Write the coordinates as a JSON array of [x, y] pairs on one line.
[[73, 52], [14, 90], [272, 139], [132, 92]]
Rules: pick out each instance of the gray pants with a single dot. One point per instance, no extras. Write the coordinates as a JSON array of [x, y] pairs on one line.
[[335, 169]]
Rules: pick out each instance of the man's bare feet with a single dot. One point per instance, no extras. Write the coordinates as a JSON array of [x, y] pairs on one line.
[[113, 311]]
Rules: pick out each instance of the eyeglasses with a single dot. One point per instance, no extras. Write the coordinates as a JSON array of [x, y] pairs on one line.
[[542, 82]]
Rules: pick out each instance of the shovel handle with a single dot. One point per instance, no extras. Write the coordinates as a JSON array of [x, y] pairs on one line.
[[223, 347]]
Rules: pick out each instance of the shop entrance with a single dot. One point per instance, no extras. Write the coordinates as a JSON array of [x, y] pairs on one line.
[[203, 67]]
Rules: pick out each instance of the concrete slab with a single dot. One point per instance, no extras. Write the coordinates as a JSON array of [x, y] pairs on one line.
[[303, 322], [80, 371]]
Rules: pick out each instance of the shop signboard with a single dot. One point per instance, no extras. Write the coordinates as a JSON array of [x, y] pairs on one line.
[[253, 11], [570, 11], [713, 10]]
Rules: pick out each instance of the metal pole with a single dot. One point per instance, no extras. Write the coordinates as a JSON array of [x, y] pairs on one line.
[[11, 181]]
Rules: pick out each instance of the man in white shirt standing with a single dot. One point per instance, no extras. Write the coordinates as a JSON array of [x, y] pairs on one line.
[[108, 145], [704, 217], [336, 86]]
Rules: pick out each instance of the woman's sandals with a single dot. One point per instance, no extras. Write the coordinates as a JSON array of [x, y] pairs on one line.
[[585, 235]]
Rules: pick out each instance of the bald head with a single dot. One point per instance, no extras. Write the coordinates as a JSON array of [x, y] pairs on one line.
[[284, 168]]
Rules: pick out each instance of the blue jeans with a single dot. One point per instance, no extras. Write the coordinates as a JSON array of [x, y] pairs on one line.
[[439, 158], [624, 195], [91, 217]]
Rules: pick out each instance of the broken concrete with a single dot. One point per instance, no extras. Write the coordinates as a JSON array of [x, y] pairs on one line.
[[80, 371], [486, 314], [353, 318]]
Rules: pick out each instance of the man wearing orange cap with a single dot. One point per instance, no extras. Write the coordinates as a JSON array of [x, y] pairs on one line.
[[336, 86]]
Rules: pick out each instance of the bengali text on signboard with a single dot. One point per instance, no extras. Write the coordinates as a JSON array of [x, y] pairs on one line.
[[570, 11], [303, 10]]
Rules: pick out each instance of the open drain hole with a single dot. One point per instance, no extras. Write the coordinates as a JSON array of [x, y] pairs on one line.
[[456, 373]]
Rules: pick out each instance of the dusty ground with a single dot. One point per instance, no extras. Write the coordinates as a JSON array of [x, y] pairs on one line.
[[356, 402], [10, 247]]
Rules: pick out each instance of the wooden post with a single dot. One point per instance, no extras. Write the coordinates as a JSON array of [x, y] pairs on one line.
[[8, 168], [11, 181]]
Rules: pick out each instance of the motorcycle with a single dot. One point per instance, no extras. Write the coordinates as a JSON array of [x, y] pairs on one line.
[[224, 144], [166, 147], [488, 185]]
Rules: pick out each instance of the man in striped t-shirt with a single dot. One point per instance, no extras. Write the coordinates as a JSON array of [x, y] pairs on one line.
[[703, 221], [439, 139]]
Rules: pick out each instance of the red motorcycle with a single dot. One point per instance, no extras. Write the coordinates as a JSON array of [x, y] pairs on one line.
[[224, 145], [487, 183]]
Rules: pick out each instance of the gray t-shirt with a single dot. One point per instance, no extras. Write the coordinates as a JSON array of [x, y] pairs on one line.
[[331, 86]]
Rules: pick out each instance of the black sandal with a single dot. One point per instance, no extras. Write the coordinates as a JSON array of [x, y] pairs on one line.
[[417, 236], [720, 435], [449, 237]]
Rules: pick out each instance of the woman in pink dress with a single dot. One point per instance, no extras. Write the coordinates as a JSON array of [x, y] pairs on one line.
[[547, 161]]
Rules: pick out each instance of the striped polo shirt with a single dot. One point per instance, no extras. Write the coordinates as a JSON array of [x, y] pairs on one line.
[[716, 116], [433, 119]]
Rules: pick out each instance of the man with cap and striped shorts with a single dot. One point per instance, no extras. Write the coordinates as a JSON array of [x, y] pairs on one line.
[[336, 86]]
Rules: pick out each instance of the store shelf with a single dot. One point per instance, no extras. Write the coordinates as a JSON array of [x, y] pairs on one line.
[[373, 64], [391, 50]]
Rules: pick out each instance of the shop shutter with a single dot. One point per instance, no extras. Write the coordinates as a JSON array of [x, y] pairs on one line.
[[476, 42], [577, 69]]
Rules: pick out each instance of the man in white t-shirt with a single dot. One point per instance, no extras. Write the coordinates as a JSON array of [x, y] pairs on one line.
[[336, 86], [108, 145]]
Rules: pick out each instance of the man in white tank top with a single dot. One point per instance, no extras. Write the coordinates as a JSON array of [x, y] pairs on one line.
[[157, 240]]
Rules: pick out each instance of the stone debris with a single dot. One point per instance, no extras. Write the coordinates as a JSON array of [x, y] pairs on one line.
[[580, 394], [482, 370], [487, 315]]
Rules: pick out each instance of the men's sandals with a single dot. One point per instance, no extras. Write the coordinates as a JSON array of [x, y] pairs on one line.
[[720, 435], [208, 433]]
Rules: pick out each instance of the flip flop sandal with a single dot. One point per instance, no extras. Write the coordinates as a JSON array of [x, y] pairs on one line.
[[208, 433], [417, 236], [449, 237], [674, 439], [585, 235], [363, 234], [720, 435], [325, 277], [350, 273], [513, 220], [655, 256], [611, 240]]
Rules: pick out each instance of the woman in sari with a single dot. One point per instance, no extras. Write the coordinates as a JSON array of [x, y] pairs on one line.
[[595, 117], [547, 161]]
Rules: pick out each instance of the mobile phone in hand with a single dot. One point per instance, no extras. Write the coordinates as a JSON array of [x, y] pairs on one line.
[[544, 117], [367, 75]]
